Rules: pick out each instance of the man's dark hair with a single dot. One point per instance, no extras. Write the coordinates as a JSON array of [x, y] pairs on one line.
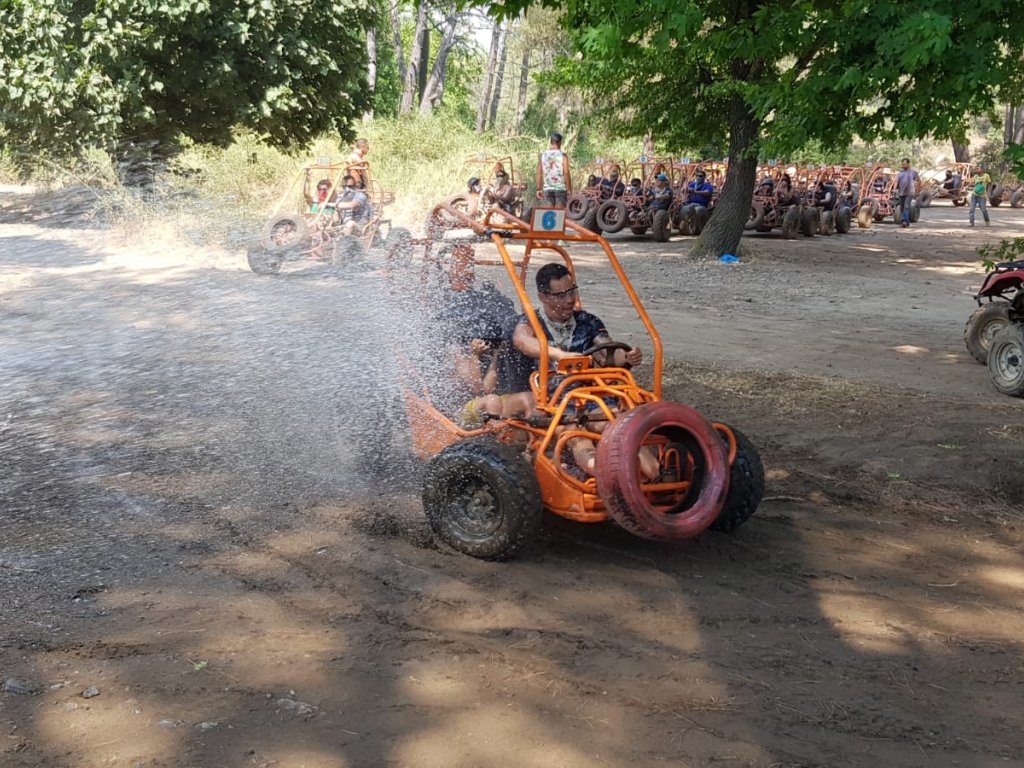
[[347, 178], [556, 139], [549, 272], [905, 160]]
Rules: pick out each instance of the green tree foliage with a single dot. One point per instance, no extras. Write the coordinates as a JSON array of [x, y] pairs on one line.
[[96, 72], [772, 75]]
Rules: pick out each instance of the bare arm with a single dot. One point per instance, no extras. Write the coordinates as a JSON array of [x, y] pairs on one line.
[[525, 340], [540, 177], [565, 170]]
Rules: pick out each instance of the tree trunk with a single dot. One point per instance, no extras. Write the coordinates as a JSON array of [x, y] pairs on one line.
[[396, 39], [499, 76], [424, 65], [371, 69], [434, 92], [1008, 124], [724, 230], [485, 81], [961, 152], [412, 77], [1018, 126], [524, 82]]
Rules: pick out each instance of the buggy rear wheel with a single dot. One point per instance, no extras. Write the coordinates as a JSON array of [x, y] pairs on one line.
[[618, 476], [866, 213], [482, 498], [576, 207], [791, 222], [827, 224], [1006, 360], [687, 219], [283, 233], [1017, 199], [982, 326], [915, 211], [746, 486], [925, 199], [590, 220], [809, 222], [756, 216]]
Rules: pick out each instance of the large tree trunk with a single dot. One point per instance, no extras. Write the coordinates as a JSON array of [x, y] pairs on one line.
[[485, 81], [371, 69], [434, 92], [424, 61], [524, 82], [724, 230], [410, 84], [499, 76], [1017, 136], [961, 152], [396, 38]]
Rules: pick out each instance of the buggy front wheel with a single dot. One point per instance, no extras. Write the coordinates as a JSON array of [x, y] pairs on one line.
[[482, 498], [746, 486], [1006, 360]]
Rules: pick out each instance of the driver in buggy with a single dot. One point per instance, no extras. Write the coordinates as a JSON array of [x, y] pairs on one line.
[[501, 193], [568, 333]]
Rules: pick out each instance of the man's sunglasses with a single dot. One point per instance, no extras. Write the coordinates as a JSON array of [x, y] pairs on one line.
[[567, 293]]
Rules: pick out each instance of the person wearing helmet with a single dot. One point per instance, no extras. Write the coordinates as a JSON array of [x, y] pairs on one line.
[[473, 185]]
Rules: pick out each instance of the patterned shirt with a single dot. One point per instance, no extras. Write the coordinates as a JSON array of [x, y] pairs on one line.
[[551, 169]]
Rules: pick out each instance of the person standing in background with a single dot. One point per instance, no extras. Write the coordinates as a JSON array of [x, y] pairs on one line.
[[358, 166], [979, 194], [553, 179], [907, 186]]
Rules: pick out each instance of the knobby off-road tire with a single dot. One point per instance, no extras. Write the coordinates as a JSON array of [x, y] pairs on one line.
[[1006, 360], [661, 227], [925, 199], [462, 203], [283, 233], [756, 217], [687, 219], [842, 219], [590, 220], [828, 223], [1017, 199], [612, 216], [809, 222], [746, 486], [982, 326], [700, 219], [619, 482], [639, 231], [482, 498], [263, 262], [866, 213], [791, 222], [915, 211], [995, 194]]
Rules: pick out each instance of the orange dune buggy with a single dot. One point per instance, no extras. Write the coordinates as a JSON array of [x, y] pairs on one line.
[[316, 233], [485, 488]]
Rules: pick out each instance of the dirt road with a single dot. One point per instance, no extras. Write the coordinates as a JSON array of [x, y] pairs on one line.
[[195, 574]]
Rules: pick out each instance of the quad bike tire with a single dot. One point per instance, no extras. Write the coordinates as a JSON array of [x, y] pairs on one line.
[[687, 219], [746, 486], [283, 233], [482, 498], [995, 194], [619, 482], [590, 220], [1017, 199], [983, 325], [843, 218], [828, 223], [755, 219], [263, 262], [866, 213], [810, 221], [925, 199], [1006, 360], [661, 227], [700, 219], [638, 230], [791, 222], [612, 216], [577, 206]]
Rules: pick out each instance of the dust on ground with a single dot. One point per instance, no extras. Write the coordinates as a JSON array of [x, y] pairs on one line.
[[195, 573]]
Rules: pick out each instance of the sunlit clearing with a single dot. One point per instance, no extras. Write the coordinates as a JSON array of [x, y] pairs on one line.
[[954, 269], [1005, 577], [909, 349], [871, 248], [308, 758]]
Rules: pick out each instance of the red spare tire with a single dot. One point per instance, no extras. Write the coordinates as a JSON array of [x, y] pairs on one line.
[[618, 476]]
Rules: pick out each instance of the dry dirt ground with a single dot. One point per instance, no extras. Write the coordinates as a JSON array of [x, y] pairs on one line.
[[193, 573]]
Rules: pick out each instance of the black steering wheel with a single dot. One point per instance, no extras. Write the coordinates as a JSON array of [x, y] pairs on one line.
[[609, 346]]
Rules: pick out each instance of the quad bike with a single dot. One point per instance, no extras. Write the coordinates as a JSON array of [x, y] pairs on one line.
[[486, 488], [994, 333], [317, 234], [767, 214], [956, 193], [880, 200], [476, 205]]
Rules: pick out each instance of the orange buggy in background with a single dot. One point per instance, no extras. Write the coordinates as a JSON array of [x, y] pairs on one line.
[[485, 489]]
